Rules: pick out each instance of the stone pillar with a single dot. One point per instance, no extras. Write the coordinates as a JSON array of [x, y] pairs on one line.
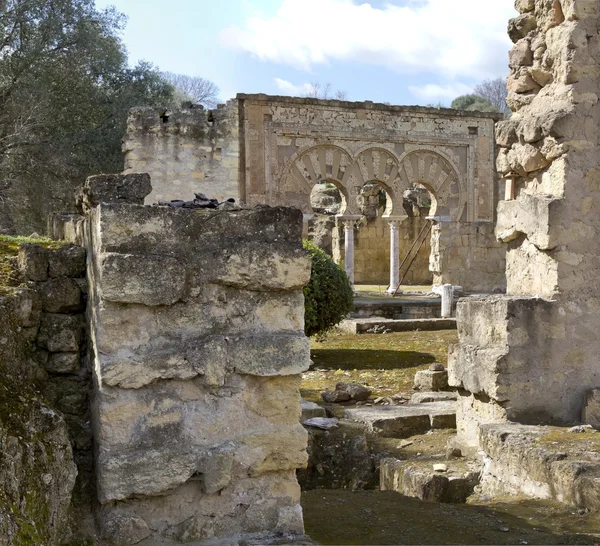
[[394, 252], [530, 356], [349, 226], [170, 352], [447, 293]]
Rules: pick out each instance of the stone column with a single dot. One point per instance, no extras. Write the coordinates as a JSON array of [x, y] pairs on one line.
[[306, 218], [395, 222], [349, 225]]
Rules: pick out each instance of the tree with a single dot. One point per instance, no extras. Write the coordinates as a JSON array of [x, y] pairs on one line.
[[473, 103], [65, 90], [325, 92], [494, 91], [193, 89], [328, 297]]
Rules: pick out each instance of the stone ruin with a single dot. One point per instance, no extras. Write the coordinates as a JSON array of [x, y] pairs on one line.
[[273, 150], [192, 344]]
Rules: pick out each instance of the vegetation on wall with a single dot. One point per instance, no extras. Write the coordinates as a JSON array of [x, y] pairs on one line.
[[65, 91], [328, 297]]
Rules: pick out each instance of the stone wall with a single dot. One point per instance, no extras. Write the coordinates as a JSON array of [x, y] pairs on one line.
[[531, 356], [45, 437], [372, 251], [289, 144], [198, 346], [185, 151]]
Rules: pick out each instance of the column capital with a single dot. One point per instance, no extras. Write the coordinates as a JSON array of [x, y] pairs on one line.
[[397, 218]]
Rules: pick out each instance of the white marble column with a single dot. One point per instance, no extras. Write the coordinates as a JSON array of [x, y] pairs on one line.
[[395, 222], [349, 226], [349, 249]]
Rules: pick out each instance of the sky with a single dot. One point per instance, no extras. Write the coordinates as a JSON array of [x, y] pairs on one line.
[[398, 51]]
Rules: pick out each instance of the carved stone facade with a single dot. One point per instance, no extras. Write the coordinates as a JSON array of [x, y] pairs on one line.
[[290, 144]]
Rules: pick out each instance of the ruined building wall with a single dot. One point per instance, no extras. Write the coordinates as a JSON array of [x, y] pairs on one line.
[[185, 151], [289, 144], [530, 356], [198, 345]]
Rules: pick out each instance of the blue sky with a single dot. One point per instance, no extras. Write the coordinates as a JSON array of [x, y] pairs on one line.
[[398, 51]]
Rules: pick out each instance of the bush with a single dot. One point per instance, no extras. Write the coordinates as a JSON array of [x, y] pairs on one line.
[[328, 297]]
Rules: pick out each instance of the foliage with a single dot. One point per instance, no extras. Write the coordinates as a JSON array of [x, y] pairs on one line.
[[473, 103], [193, 89], [65, 90], [328, 297]]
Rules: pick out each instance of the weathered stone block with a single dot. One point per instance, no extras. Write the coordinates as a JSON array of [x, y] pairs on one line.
[[33, 262], [63, 363], [60, 333], [123, 529], [60, 295], [591, 408], [427, 380], [147, 279], [67, 261], [311, 409], [27, 307], [115, 188]]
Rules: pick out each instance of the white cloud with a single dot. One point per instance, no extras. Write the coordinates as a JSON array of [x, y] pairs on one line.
[[434, 92], [456, 38], [288, 88]]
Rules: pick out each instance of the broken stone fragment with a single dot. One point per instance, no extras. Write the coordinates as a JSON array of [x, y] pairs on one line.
[[334, 397], [323, 423], [67, 261], [311, 409], [428, 380], [521, 26], [436, 367], [591, 408], [356, 392], [33, 262]]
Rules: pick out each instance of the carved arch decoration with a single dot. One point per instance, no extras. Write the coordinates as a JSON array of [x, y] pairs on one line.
[[337, 165], [440, 177], [311, 166]]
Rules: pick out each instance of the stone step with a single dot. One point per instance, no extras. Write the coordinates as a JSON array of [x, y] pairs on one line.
[[426, 397], [541, 462], [405, 421], [370, 325], [420, 480]]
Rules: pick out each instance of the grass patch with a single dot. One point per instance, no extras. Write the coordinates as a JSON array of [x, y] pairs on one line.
[[9, 250], [386, 363]]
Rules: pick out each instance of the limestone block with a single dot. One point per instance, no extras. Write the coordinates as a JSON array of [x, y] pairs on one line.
[[436, 396], [67, 261], [527, 158], [427, 380], [591, 408], [269, 355], [524, 6], [115, 188], [60, 333], [521, 55], [531, 215], [216, 469], [63, 363], [147, 279], [27, 307], [506, 133], [519, 27], [281, 449], [123, 529], [33, 262], [60, 295], [311, 409]]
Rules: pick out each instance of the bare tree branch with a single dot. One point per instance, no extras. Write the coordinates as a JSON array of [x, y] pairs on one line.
[[193, 88]]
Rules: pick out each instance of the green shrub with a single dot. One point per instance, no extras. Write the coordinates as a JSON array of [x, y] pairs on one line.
[[328, 297]]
